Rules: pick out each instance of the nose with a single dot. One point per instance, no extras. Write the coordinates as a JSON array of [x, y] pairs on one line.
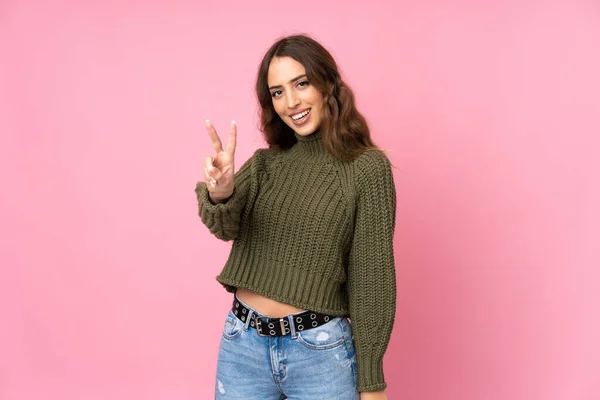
[[292, 100]]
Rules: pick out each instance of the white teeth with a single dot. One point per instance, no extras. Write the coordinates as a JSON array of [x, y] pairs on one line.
[[298, 116]]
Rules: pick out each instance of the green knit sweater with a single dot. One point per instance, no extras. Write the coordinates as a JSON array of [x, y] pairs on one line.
[[316, 233]]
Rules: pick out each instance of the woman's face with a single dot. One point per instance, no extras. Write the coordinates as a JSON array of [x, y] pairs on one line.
[[295, 99]]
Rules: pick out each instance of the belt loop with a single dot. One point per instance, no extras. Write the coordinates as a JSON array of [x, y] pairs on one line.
[[292, 326], [248, 319]]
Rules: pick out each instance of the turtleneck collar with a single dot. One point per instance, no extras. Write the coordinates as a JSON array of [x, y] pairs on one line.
[[311, 145]]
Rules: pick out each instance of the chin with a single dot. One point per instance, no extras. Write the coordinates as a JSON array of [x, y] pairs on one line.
[[305, 130]]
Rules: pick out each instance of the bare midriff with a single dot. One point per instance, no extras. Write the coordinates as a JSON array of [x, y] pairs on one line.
[[265, 305]]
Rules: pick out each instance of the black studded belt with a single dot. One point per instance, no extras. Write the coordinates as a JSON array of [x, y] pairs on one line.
[[267, 326]]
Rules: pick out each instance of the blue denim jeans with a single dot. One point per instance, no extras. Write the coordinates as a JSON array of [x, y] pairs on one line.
[[318, 363]]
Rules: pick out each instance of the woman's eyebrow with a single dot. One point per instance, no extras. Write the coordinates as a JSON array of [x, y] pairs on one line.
[[295, 79]]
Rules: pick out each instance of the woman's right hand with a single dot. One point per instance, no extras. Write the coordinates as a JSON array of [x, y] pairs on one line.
[[218, 169]]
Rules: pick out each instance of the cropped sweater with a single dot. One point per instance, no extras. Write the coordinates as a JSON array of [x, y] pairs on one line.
[[317, 233]]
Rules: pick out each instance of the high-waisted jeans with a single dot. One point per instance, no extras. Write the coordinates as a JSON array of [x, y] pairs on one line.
[[314, 364]]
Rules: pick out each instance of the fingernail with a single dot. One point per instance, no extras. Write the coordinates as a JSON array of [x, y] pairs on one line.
[[233, 122], [207, 122]]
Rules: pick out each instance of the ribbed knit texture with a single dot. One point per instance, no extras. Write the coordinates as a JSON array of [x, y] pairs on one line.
[[316, 233]]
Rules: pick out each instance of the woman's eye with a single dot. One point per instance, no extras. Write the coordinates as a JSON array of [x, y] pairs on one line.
[[303, 83], [276, 93]]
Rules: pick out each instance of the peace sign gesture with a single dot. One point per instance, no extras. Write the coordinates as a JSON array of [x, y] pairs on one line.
[[218, 169]]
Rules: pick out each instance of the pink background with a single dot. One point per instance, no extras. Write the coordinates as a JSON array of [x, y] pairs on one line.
[[491, 111]]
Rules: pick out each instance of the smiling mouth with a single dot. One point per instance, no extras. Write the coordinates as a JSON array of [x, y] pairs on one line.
[[299, 116]]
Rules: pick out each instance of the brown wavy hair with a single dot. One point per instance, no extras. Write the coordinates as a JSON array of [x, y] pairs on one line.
[[344, 130]]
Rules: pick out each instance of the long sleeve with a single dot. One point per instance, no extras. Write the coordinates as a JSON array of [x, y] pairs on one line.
[[371, 271], [223, 219]]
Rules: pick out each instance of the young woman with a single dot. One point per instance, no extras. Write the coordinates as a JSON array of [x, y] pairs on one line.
[[312, 218]]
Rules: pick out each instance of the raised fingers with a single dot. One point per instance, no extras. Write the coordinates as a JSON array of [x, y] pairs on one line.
[[232, 140], [214, 137]]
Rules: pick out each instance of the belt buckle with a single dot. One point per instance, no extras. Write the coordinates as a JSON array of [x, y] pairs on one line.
[[283, 324], [258, 324]]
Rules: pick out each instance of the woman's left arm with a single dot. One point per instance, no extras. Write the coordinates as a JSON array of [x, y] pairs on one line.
[[371, 271]]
